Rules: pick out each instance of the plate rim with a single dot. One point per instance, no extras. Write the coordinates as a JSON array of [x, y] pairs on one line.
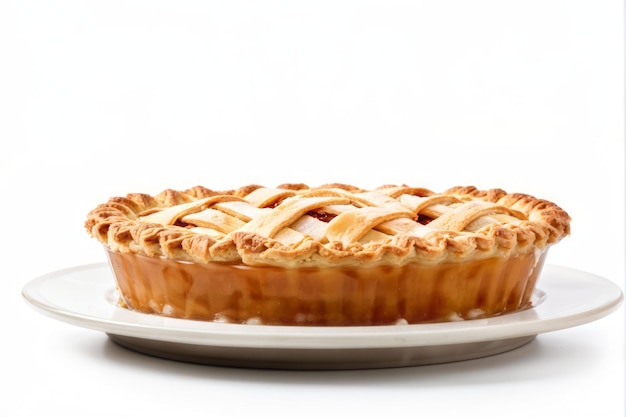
[[153, 327]]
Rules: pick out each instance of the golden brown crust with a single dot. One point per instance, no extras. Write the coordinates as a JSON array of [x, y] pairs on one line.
[[294, 225]]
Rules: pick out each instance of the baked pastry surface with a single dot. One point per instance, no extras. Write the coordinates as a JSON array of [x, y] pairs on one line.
[[295, 226]]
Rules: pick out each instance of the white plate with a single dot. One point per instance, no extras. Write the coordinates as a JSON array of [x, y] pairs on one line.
[[85, 296]]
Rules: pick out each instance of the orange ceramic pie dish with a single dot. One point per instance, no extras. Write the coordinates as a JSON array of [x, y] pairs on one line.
[[333, 255]]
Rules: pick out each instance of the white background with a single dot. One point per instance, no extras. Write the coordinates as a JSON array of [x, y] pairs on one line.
[[103, 98]]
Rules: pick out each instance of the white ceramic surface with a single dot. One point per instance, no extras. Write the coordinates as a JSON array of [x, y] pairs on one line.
[[85, 296]]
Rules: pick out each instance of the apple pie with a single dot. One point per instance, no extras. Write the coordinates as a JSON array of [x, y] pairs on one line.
[[331, 255]]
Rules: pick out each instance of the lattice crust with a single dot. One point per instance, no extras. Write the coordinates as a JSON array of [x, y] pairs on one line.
[[294, 225]]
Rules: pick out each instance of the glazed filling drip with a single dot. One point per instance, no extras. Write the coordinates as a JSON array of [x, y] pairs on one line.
[[182, 224], [322, 216], [422, 219]]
